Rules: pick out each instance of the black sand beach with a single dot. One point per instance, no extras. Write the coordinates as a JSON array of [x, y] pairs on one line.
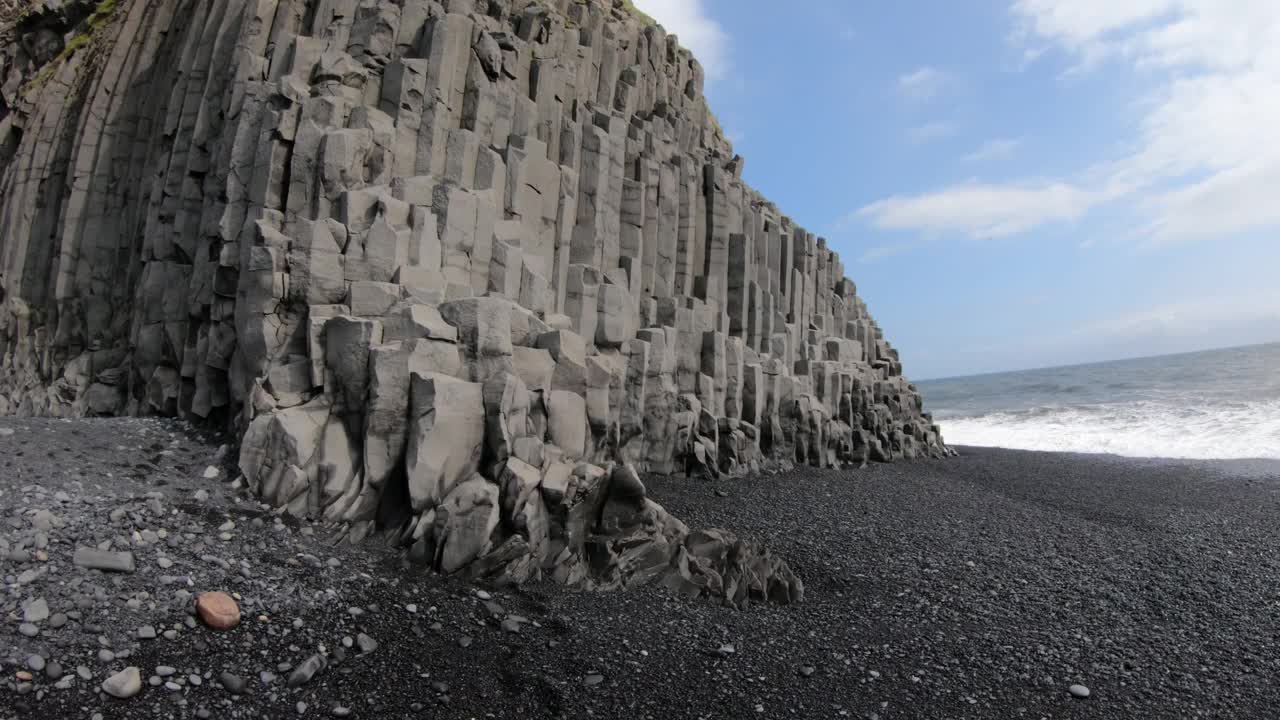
[[978, 587]]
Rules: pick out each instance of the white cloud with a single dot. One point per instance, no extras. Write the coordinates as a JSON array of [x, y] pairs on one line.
[[697, 30], [1200, 160], [930, 132], [996, 149], [922, 84], [1204, 162], [980, 211]]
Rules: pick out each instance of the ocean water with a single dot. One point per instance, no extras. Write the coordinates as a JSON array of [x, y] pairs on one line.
[[1219, 404]]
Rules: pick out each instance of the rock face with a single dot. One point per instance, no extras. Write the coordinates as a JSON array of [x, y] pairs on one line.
[[458, 270]]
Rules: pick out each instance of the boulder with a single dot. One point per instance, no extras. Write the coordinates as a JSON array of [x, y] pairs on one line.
[[465, 522], [446, 436]]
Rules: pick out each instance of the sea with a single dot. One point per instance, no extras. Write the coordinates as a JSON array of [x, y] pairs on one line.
[[1218, 404]]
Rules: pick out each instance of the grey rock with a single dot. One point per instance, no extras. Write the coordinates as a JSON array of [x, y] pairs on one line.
[[104, 560], [307, 670], [233, 683], [124, 684], [36, 611]]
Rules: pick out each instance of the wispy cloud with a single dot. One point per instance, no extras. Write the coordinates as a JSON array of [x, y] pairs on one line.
[[880, 252], [997, 149], [980, 211], [930, 132], [697, 30], [923, 83], [1202, 162]]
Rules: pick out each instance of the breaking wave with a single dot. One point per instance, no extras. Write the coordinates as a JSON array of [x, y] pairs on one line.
[[1145, 429], [1214, 405]]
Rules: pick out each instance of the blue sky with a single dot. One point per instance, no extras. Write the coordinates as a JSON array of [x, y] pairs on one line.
[[1018, 183]]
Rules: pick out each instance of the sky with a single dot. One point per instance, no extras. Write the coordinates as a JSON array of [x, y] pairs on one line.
[[1017, 183]]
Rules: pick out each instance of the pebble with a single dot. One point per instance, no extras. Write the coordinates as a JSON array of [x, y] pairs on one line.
[[340, 711], [218, 610], [6, 432], [36, 611], [35, 662], [57, 620], [307, 670], [104, 560], [53, 670], [165, 670], [28, 629], [1079, 691], [366, 643], [232, 682], [124, 684], [807, 670], [592, 680], [211, 473], [146, 632]]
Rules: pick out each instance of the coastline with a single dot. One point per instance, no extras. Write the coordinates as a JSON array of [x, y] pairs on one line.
[[981, 586]]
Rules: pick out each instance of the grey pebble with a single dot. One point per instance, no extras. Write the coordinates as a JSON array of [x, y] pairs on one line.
[[232, 682], [307, 670]]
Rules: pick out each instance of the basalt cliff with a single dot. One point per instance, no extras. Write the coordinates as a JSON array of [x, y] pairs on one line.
[[458, 272]]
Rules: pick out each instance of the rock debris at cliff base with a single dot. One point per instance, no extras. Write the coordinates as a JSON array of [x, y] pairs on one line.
[[460, 272]]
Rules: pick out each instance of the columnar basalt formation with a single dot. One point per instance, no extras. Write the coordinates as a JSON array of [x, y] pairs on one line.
[[458, 270]]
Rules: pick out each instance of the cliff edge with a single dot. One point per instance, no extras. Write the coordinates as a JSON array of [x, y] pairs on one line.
[[458, 271]]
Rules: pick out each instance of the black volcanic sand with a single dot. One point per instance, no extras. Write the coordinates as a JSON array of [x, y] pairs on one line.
[[978, 587]]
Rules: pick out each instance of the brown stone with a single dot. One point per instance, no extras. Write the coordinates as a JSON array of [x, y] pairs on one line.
[[218, 610]]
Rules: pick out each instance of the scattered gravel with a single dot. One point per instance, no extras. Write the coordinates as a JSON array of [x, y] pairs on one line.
[[987, 586]]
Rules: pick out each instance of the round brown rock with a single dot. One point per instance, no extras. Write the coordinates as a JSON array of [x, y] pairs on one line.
[[218, 610]]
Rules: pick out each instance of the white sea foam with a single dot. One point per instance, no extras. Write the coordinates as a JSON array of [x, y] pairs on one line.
[[1140, 429]]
